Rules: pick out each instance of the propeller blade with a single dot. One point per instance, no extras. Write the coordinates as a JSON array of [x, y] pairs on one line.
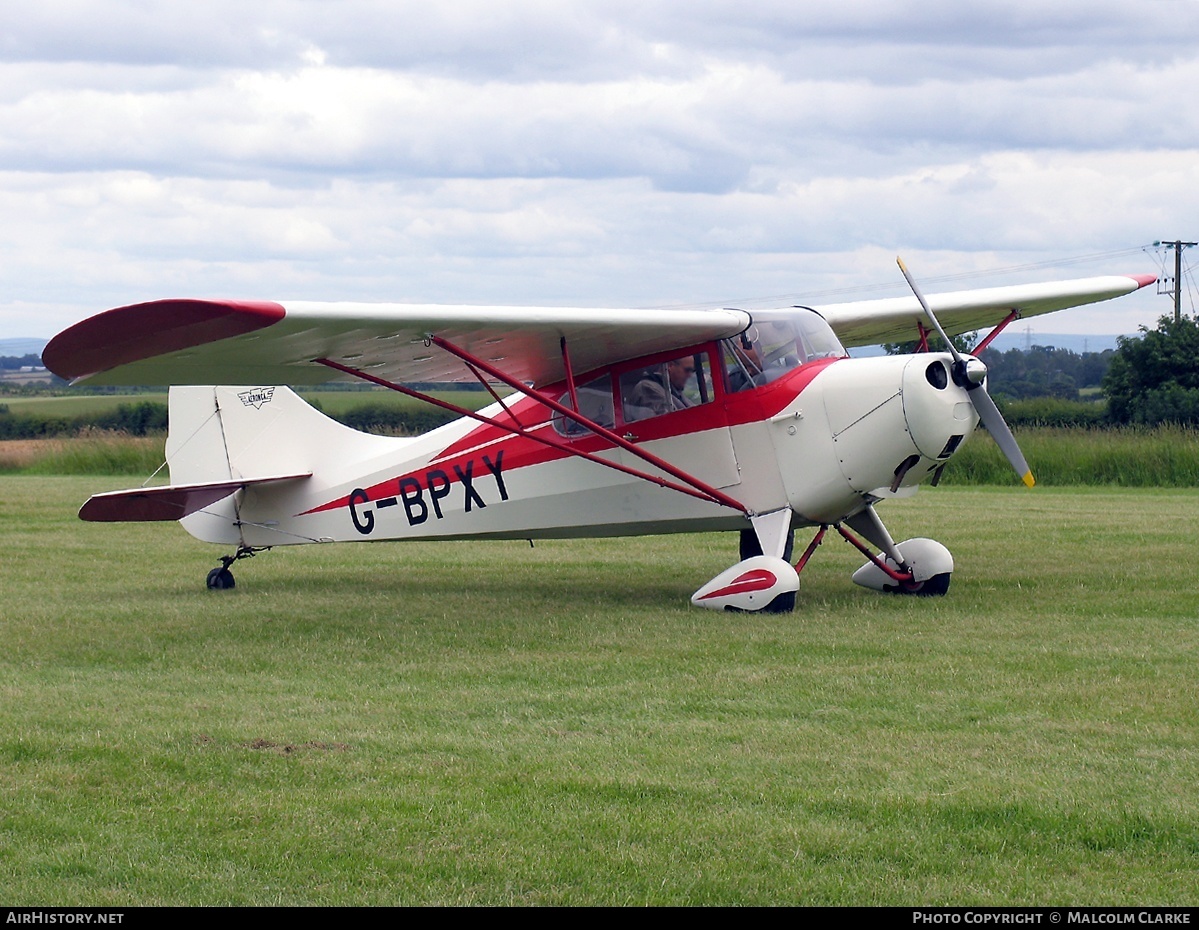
[[970, 373], [957, 356], [993, 420]]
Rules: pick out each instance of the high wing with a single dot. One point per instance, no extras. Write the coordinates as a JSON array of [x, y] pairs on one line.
[[240, 342], [872, 322], [248, 342]]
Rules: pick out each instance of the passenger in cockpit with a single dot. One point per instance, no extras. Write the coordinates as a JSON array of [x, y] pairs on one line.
[[661, 388]]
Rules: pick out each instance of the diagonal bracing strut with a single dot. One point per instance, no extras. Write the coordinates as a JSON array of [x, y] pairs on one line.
[[689, 485]]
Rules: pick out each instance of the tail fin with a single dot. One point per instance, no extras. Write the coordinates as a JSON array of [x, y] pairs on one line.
[[224, 433], [235, 437], [223, 440]]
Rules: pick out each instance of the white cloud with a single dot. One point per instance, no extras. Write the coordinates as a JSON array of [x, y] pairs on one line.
[[587, 152]]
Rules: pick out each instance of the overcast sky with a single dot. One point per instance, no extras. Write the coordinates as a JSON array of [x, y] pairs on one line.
[[606, 153]]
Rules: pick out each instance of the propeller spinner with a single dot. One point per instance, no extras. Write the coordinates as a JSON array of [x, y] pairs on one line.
[[970, 373]]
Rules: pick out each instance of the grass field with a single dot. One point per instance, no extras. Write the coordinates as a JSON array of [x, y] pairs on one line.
[[485, 723]]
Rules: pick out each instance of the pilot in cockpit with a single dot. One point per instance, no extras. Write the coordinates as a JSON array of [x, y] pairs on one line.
[[660, 390], [744, 364]]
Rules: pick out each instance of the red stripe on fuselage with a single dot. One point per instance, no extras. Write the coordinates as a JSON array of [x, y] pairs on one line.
[[742, 407], [522, 452]]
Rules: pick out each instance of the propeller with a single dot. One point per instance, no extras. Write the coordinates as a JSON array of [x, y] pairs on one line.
[[970, 373]]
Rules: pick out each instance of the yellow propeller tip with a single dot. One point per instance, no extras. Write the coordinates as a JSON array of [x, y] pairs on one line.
[[1028, 479]]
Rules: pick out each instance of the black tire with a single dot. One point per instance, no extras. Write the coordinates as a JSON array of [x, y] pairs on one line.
[[750, 547], [220, 579], [936, 586], [783, 604]]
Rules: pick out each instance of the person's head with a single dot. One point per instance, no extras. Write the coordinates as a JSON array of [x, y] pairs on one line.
[[679, 370]]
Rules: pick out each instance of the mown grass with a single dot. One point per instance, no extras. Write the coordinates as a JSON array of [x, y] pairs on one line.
[[485, 723], [73, 404]]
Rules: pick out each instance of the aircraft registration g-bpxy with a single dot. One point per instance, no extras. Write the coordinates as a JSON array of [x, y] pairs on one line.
[[620, 422]]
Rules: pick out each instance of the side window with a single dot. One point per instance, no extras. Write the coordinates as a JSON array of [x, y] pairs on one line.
[[665, 387], [742, 364], [595, 403]]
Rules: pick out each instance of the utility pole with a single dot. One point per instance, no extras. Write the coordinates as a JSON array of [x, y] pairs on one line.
[[1177, 245]]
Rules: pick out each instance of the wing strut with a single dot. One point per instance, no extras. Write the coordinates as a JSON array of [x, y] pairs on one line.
[[703, 490], [570, 376], [922, 346], [999, 328], [691, 485]]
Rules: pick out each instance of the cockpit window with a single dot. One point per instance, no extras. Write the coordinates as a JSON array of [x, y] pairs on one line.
[[777, 342], [646, 391], [817, 337], [595, 403], [664, 387]]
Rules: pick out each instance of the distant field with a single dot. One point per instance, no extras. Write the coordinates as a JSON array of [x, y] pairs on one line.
[[332, 402], [76, 404], [485, 723]]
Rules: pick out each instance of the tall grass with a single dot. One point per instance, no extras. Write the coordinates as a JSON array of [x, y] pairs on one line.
[[1166, 457], [92, 454], [1129, 457], [1053, 411]]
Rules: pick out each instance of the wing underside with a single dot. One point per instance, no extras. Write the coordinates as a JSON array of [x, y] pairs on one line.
[[872, 322], [227, 342]]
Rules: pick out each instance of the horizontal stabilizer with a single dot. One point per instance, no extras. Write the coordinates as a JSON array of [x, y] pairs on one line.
[[171, 502]]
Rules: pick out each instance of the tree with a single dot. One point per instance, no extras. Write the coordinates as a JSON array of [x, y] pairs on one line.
[[1154, 378], [963, 342]]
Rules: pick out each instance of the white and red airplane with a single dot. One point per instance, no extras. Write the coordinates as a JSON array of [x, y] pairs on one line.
[[619, 423]]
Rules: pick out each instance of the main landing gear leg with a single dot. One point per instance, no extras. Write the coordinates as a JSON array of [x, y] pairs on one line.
[[221, 579], [914, 566]]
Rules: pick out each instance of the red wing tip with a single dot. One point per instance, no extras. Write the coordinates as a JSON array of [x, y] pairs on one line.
[[141, 331], [1143, 280]]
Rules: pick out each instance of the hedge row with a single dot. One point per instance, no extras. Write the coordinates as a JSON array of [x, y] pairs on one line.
[[1053, 412], [131, 419], [150, 417]]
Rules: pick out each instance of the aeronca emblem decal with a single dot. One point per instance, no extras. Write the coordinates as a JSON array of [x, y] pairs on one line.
[[257, 397]]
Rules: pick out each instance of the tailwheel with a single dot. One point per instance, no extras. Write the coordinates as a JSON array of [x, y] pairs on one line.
[[221, 579]]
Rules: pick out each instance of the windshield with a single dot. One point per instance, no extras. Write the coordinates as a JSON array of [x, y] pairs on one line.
[[776, 342]]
